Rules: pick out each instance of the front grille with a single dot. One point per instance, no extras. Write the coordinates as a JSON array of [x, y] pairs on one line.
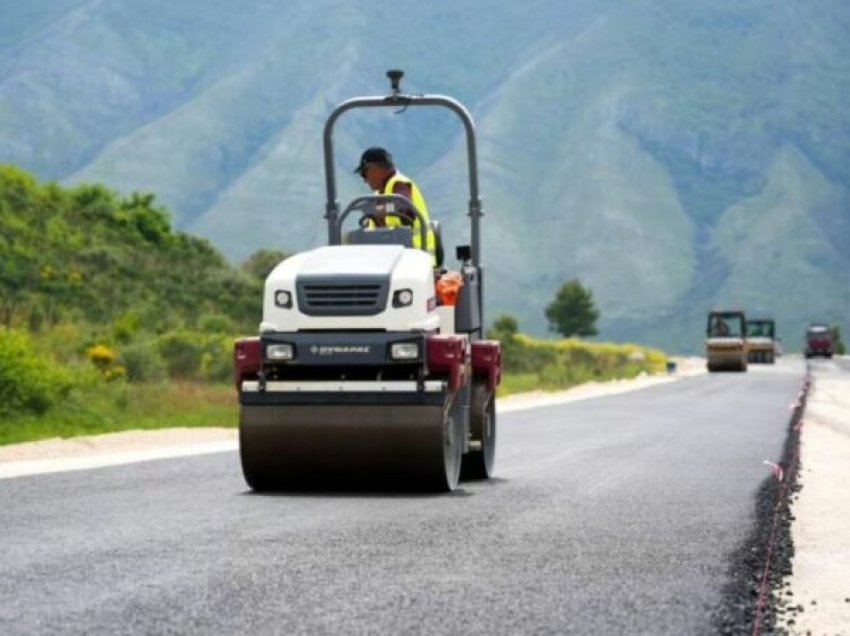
[[342, 298]]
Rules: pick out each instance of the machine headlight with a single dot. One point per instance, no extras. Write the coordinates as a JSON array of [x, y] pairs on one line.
[[402, 298], [280, 352], [283, 299], [404, 351]]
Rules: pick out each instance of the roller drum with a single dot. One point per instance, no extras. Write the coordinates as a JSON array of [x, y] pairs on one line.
[[286, 447]]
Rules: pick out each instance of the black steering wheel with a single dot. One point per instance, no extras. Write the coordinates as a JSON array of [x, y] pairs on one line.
[[377, 219], [367, 206]]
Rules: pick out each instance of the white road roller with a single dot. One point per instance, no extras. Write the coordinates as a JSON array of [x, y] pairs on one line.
[[359, 375]]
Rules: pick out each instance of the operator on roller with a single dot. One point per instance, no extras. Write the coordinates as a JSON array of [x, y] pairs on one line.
[[377, 169]]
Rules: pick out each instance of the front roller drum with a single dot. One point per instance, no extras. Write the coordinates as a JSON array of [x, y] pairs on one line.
[[727, 364], [304, 447]]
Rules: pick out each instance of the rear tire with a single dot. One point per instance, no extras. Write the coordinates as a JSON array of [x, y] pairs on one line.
[[257, 479], [478, 464], [453, 431]]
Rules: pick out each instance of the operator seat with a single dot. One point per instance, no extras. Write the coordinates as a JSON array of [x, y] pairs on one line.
[[400, 235]]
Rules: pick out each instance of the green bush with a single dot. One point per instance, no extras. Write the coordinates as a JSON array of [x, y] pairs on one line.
[[29, 381], [505, 329], [182, 351], [197, 355], [533, 364], [217, 361], [126, 326], [215, 323], [143, 362]]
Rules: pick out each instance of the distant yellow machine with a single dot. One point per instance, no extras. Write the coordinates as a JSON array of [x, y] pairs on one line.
[[726, 347], [761, 340]]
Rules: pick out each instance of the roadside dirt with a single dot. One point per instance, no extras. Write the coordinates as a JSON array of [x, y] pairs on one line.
[[816, 596], [112, 449]]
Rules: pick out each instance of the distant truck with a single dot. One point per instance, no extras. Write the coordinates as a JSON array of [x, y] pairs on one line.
[[818, 341], [761, 340], [726, 341]]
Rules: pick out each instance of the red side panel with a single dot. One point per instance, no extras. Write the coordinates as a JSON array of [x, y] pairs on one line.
[[487, 361], [447, 354], [247, 359]]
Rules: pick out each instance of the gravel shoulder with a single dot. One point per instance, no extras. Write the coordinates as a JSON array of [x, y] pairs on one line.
[[820, 582]]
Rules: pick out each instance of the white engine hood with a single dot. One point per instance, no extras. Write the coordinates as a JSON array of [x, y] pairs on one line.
[[368, 260]]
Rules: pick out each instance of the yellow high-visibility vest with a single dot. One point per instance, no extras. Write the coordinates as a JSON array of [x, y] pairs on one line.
[[419, 202]]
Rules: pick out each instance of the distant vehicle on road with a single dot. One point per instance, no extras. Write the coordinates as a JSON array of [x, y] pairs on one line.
[[818, 341], [761, 340], [726, 341]]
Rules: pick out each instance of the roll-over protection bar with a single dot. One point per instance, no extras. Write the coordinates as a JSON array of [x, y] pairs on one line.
[[396, 99]]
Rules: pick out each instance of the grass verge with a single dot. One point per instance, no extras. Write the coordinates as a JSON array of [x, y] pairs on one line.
[[533, 364], [123, 406]]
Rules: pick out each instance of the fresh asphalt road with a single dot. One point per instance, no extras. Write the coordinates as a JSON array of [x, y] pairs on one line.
[[610, 515]]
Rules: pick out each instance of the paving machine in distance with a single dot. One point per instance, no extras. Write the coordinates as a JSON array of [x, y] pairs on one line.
[[726, 341], [359, 374], [761, 340]]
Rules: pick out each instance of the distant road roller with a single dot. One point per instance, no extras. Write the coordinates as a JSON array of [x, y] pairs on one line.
[[726, 347], [361, 374], [761, 340]]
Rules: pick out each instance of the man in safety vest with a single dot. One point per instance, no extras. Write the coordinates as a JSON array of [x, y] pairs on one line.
[[379, 172]]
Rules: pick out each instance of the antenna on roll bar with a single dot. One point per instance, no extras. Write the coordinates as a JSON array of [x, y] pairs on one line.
[[395, 76]]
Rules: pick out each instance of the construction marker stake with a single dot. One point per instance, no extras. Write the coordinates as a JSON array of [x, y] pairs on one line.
[[776, 469]]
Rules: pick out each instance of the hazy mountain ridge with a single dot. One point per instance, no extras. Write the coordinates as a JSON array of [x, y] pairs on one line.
[[628, 144]]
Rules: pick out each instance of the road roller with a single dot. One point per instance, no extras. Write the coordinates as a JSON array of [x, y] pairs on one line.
[[761, 340], [362, 374], [726, 347]]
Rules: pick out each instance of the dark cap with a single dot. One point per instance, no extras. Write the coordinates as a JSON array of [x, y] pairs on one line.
[[378, 156]]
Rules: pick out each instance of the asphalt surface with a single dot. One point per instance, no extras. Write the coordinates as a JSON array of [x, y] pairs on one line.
[[619, 514]]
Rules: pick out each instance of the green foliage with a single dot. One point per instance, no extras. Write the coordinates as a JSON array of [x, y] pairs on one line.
[[195, 355], [572, 312], [126, 326], [30, 382], [143, 362], [504, 328], [837, 342], [118, 406], [259, 264], [88, 254], [530, 364], [551, 365], [113, 299]]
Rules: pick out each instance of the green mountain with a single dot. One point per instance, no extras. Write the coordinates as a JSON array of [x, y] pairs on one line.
[[673, 156]]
